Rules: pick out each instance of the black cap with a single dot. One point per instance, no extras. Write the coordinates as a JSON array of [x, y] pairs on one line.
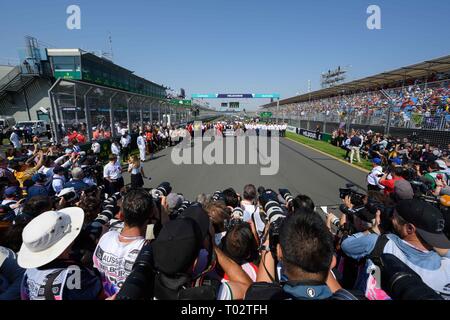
[[427, 219], [177, 246], [364, 214], [201, 218]]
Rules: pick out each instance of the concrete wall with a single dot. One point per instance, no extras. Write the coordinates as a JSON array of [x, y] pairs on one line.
[[4, 70], [13, 104]]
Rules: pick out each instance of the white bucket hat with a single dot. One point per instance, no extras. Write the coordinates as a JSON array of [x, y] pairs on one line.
[[47, 236]]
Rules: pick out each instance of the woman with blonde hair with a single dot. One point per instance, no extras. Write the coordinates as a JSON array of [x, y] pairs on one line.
[[137, 172]]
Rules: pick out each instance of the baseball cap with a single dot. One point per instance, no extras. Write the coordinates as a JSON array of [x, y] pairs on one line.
[[403, 190], [177, 246], [200, 216], [427, 219], [396, 161], [376, 160], [10, 191], [364, 214]]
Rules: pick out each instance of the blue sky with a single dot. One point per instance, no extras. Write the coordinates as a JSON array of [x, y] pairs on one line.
[[237, 46]]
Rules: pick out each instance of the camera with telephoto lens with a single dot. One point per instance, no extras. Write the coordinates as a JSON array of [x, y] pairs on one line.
[[176, 213], [140, 283], [218, 196], [356, 198], [400, 282], [237, 217], [275, 215], [161, 191], [110, 209], [287, 196]]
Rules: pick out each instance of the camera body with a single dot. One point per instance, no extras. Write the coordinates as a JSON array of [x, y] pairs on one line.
[[356, 198]]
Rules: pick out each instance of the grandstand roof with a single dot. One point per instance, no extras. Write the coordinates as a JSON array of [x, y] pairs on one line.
[[381, 80]]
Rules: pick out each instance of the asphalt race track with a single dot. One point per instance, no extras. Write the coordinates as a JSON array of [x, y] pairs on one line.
[[301, 170]]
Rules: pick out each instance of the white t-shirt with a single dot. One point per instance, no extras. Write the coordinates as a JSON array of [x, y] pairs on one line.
[[374, 177], [135, 170], [251, 212], [112, 171], [114, 260], [115, 149]]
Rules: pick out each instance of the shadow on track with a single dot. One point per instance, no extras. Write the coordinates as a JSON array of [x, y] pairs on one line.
[[315, 160]]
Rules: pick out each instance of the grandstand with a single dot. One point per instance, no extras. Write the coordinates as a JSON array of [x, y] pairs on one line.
[[408, 100]]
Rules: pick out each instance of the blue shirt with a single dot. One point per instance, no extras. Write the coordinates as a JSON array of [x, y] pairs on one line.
[[430, 266], [37, 190], [78, 185]]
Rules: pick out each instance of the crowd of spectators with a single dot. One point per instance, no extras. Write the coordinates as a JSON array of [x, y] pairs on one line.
[[70, 230], [424, 105]]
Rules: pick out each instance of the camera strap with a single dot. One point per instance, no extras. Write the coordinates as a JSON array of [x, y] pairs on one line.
[[378, 249]]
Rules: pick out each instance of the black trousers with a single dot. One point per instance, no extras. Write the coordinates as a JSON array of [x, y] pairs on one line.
[[115, 186], [137, 181], [125, 153]]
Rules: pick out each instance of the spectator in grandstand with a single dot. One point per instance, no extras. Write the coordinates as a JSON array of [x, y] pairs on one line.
[[418, 242], [116, 251], [46, 254]]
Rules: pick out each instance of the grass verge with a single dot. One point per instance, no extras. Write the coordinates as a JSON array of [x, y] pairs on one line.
[[327, 148]]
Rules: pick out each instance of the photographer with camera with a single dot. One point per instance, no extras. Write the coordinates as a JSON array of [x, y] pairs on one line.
[[173, 267], [76, 182], [305, 249], [219, 214], [418, 241], [390, 178], [116, 251], [47, 254]]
